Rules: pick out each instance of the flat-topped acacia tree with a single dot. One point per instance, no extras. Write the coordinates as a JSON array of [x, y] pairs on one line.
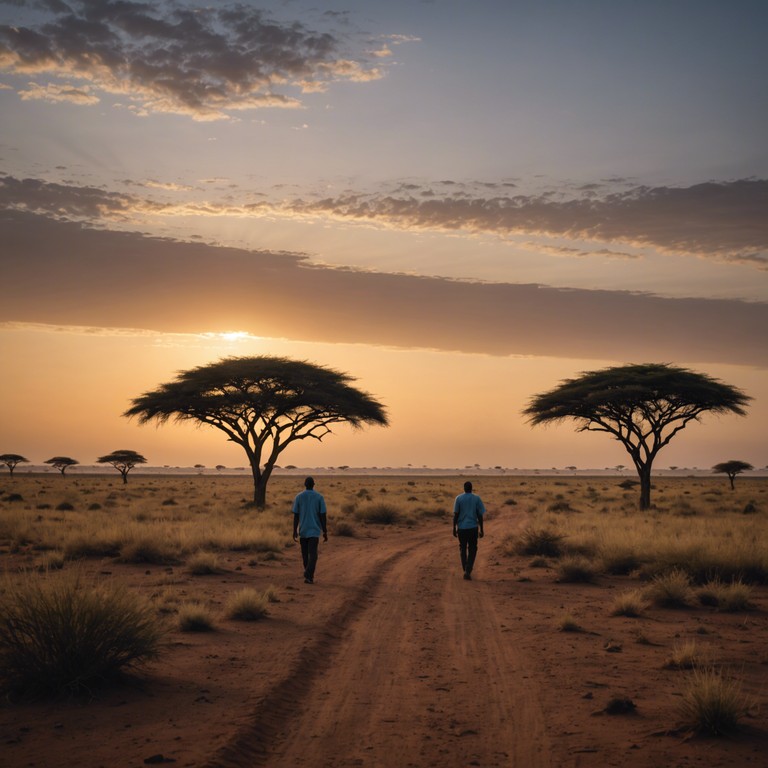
[[62, 463], [642, 406], [123, 461], [263, 404], [11, 460], [732, 468]]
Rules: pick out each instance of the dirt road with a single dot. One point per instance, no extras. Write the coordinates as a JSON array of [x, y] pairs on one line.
[[414, 669]]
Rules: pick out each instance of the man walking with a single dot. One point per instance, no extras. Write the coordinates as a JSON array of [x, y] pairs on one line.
[[468, 511], [309, 521]]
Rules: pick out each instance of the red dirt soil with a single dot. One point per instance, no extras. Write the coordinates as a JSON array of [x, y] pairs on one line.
[[392, 659]]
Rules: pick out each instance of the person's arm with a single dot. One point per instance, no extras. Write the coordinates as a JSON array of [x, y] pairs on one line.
[[455, 517], [324, 524], [480, 516], [295, 526]]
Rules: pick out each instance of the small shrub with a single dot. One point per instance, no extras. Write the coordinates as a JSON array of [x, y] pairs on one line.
[[732, 597], [150, 550], [204, 564], [195, 617], [712, 703], [65, 506], [685, 656], [670, 590], [379, 514], [539, 562], [540, 541], [631, 604], [343, 528], [246, 605], [575, 569], [61, 634], [271, 594], [559, 506], [93, 507], [569, 624], [750, 508]]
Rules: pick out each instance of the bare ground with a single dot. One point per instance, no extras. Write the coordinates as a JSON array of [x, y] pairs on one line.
[[392, 659]]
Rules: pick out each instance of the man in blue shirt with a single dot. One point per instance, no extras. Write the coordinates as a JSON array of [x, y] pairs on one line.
[[468, 511], [309, 521]]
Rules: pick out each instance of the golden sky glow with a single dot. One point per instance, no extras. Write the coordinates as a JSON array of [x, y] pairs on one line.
[[458, 226]]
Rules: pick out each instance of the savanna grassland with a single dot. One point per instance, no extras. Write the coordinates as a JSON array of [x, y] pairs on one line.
[[592, 635]]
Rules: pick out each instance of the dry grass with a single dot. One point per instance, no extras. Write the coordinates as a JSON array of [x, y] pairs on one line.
[[64, 633], [713, 703]]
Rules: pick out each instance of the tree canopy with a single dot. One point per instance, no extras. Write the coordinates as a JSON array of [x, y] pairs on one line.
[[732, 468], [123, 461], [62, 463], [643, 406], [263, 404], [11, 460]]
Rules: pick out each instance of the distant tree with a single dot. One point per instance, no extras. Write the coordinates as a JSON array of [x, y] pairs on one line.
[[123, 461], [732, 468], [642, 406], [11, 460], [62, 463], [264, 404], [219, 467]]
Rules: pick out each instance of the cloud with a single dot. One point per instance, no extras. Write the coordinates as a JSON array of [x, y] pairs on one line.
[[725, 220], [204, 62], [63, 273], [721, 220], [58, 93]]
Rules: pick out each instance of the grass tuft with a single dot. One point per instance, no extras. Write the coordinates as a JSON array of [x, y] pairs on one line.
[[712, 703], [379, 514], [670, 590], [575, 569], [246, 605], [539, 541], [195, 617], [60, 634], [631, 604]]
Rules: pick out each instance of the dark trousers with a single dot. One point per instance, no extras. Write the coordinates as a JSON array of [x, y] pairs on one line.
[[309, 555], [467, 547]]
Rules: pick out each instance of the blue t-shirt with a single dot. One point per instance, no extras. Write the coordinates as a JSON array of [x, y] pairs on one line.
[[308, 506], [469, 509]]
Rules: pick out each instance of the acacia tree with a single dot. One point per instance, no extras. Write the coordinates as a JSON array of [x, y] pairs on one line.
[[123, 461], [732, 468], [642, 406], [263, 404], [62, 463], [11, 460]]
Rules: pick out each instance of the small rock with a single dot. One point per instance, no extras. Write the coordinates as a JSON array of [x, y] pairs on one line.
[[156, 759]]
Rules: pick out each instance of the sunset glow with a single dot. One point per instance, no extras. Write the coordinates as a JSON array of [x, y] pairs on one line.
[[458, 204]]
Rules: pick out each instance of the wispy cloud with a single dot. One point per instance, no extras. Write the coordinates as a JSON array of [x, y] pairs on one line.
[[207, 62], [720, 220], [100, 278]]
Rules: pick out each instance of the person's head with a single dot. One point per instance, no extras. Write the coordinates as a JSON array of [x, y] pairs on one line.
[[467, 487], [309, 483]]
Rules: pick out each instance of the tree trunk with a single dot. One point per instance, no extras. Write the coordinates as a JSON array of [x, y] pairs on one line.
[[644, 473], [125, 477], [260, 493], [730, 477]]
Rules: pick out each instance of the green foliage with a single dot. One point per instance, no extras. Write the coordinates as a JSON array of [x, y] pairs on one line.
[[62, 634]]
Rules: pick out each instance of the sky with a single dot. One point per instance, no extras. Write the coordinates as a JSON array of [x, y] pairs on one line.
[[459, 204]]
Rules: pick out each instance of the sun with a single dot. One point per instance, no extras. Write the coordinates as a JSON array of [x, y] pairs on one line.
[[233, 335]]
